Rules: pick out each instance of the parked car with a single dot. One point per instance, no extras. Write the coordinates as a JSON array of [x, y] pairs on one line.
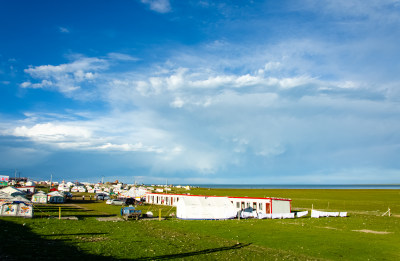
[[102, 197], [129, 201], [68, 195], [115, 202]]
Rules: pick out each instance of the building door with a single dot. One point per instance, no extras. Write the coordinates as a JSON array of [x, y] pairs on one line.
[[268, 208]]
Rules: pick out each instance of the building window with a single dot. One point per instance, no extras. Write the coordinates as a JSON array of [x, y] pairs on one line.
[[248, 204], [254, 205], [260, 206], [237, 204]]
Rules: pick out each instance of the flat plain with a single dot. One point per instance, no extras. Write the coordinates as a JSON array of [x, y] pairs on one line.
[[364, 235]]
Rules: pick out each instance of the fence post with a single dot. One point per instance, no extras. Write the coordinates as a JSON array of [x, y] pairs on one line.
[[59, 213], [159, 214]]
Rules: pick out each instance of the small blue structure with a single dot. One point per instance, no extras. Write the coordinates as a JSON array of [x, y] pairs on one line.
[[130, 212]]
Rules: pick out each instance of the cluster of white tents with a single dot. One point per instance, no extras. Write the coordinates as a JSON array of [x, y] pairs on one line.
[[52, 197], [135, 192], [13, 203]]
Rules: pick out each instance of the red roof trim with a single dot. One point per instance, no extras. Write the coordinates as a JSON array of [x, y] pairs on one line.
[[164, 194]]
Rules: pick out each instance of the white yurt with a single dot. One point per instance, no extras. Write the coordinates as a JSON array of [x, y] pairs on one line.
[[195, 207], [40, 197], [55, 197]]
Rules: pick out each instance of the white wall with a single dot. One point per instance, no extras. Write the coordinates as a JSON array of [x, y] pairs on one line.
[[280, 206]]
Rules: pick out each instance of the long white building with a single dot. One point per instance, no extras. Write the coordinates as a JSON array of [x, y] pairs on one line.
[[261, 205]]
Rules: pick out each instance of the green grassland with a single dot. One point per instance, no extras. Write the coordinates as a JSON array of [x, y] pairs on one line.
[[364, 235]]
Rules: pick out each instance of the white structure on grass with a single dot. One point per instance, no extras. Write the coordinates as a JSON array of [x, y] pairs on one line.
[[205, 208], [260, 205]]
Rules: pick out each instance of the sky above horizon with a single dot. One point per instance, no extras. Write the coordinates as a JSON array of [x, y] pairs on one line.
[[235, 92]]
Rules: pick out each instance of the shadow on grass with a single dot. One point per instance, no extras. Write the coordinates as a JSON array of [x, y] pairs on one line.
[[194, 253], [95, 215], [18, 242], [75, 234], [45, 211]]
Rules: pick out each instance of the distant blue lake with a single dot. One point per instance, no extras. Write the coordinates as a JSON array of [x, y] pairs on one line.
[[283, 186]]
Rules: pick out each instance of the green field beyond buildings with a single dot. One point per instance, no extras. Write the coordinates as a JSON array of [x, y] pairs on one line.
[[364, 235]]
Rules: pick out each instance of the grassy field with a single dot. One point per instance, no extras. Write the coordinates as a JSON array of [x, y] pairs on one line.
[[364, 235]]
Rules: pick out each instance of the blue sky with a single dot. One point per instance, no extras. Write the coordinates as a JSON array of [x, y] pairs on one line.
[[238, 92]]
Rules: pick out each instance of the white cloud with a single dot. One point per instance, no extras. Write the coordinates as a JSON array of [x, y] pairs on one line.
[[176, 80], [128, 147], [83, 64], [227, 115], [295, 81], [160, 6], [66, 78], [383, 11], [271, 66], [49, 132], [177, 103], [348, 85], [121, 57], [25, 84], [63, 30]]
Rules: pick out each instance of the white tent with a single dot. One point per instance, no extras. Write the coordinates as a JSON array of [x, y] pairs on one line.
[[13, 191], [22, 199], [39, 197], [194, 207], [55, 197], [135, 192], [5, 197]]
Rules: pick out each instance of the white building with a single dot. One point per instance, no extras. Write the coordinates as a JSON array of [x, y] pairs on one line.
[[261, 205], [205, 208], [28, 189]]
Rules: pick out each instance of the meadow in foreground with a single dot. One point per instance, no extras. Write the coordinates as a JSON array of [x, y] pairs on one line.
[[365, 234]]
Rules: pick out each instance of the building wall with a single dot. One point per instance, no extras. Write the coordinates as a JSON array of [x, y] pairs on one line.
[[263, 205], [281, 206], [28, 189], [162, 199]]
